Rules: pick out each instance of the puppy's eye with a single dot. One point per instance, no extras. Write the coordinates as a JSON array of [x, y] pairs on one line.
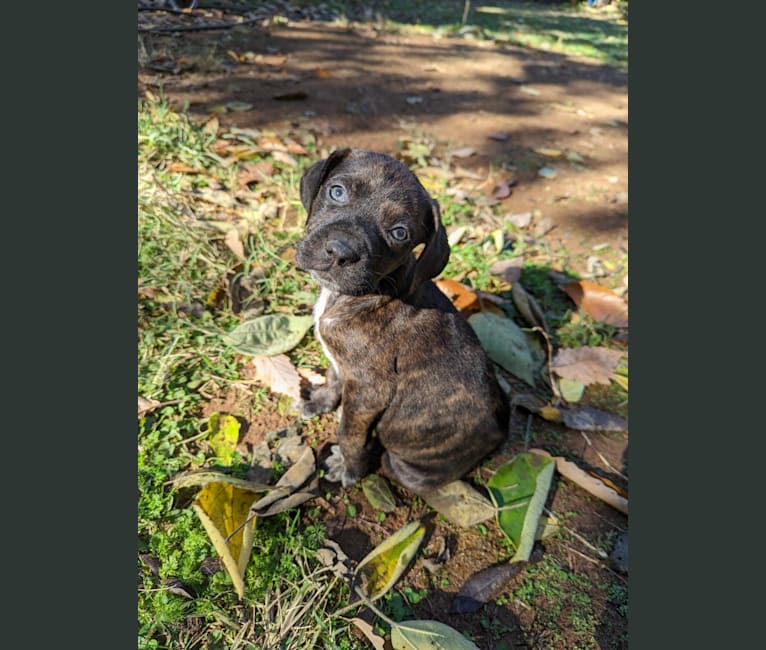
[[338, 193], [399, 233]]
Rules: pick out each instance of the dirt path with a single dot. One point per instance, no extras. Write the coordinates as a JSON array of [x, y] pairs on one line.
[[365, 88]]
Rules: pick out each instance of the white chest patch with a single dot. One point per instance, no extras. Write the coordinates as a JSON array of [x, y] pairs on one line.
[[319, 309]]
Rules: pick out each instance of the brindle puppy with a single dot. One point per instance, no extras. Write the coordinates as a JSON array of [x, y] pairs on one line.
[[407, 369]]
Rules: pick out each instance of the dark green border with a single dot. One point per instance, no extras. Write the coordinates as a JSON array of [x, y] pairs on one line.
[[69, 260], [695, 245]]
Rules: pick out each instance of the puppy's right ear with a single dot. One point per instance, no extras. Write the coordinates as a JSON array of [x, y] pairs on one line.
[[317, 174]]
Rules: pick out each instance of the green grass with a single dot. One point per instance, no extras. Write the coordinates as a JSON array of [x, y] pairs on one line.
[[289, 599], [563, 28]]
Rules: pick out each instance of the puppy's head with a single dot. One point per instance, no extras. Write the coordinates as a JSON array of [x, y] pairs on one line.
[[366, 214]]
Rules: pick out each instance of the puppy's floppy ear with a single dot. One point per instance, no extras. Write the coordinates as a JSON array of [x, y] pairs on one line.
[[435, 255], [315, 175]]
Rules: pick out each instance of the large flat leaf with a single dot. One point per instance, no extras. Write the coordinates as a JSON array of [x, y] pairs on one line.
[[587, 482], [428, 635], [279, 374], [381, 568], [460, 503], [269, 335], [586, 364], [222, 509], [508, 345], [203, 477], [589, 418], [519, 489], [598, 301], [378, 493], [484, 586]]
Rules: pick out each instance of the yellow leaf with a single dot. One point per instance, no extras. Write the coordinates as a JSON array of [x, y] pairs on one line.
[[550, 413], [381, 568], [551, 153], [224, 434], [223, 508], [498, 240], [622, 381]]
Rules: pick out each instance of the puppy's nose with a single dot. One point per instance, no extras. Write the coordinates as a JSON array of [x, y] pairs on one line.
[[340, 252]]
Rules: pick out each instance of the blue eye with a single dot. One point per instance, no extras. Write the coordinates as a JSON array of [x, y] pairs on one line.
[[399, 233], [338, 193]]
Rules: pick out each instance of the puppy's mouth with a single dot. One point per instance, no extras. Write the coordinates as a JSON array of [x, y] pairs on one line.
[[339, 264]]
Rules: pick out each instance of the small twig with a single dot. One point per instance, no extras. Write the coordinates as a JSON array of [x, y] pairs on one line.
[[526, 432], [609, 466], [599, 564], [551, 379], [466, 9], [603, 460]]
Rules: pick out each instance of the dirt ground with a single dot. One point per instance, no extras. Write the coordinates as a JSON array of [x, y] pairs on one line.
[[366, 88]]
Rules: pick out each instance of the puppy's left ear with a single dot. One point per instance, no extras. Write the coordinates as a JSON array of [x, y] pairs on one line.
[[435, 255], [317, 174]]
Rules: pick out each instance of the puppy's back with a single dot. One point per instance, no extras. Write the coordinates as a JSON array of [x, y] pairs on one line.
[[447, 404]]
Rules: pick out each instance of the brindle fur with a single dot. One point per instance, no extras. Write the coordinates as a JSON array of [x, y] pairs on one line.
[[407, 370]]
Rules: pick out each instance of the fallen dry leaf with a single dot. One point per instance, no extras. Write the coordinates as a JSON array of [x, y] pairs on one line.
[[279, 374], [378, 642], [145, 405], [463, 152], [180, 168], [588, 418], [211, 125], [590, 484], [484, 586], [528, 307], [464, 298], [503, 190], [255, 173], [322, 73], [520, 220], [284, 158], [509, 270], [234, 244], [598, 301], [586, 364]]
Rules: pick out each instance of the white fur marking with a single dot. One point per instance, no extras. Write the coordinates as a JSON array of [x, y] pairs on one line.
[[319, 308]]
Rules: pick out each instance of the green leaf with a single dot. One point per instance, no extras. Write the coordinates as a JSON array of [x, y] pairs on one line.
[[203, 477], [519, 489], [269, 335], [378, 493], [460, 503], [383, 566], [508, 345], [223, 436], [428, 635]]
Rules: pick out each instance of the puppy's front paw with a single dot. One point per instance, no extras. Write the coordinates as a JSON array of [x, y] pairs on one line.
[[337, 470], [320, 401]]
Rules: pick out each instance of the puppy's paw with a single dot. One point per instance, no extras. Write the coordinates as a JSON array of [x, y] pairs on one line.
[[320, 401], [337, 470]]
